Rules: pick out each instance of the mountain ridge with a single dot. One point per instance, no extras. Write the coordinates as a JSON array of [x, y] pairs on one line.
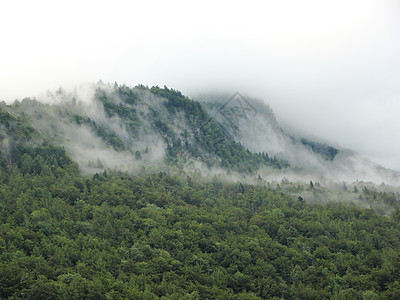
[[114, 126], [103, 197]]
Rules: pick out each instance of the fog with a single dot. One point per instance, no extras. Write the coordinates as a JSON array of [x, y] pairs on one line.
[[327, 69], [77, 121], [254, 125]]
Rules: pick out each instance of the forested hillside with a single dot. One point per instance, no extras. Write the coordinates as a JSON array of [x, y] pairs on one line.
[[103, 126], [79, 228], [124, 128], [111, 235]]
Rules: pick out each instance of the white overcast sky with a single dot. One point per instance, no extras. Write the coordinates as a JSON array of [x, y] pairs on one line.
[[328, 68]]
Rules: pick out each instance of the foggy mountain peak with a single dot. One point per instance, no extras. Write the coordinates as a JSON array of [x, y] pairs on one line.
[[110, 126]]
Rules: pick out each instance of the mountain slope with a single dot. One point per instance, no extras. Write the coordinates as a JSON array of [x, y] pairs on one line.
[[116, 126], [119, 235], [253, 124], [140, 129]]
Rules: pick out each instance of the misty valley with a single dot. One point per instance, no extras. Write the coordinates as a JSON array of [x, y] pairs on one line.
[[116, 192]]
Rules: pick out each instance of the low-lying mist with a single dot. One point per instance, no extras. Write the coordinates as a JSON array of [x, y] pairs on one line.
[[105, 126], [254, 125], [78, 122]]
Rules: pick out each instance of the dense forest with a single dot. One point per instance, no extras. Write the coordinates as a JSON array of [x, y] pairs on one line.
[[113, 234]]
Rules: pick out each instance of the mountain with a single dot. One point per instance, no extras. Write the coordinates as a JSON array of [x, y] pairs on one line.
[[110, 192], [141, 129], [253, 124], [131, 129]]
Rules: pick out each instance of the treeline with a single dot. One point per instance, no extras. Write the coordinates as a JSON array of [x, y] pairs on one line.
[[114, 236]]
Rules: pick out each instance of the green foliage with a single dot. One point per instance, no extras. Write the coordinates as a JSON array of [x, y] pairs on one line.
[[112, 235], [157, 236], [107, 135], [209, 137], [10, 125], [328, 152], [13, 131]]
